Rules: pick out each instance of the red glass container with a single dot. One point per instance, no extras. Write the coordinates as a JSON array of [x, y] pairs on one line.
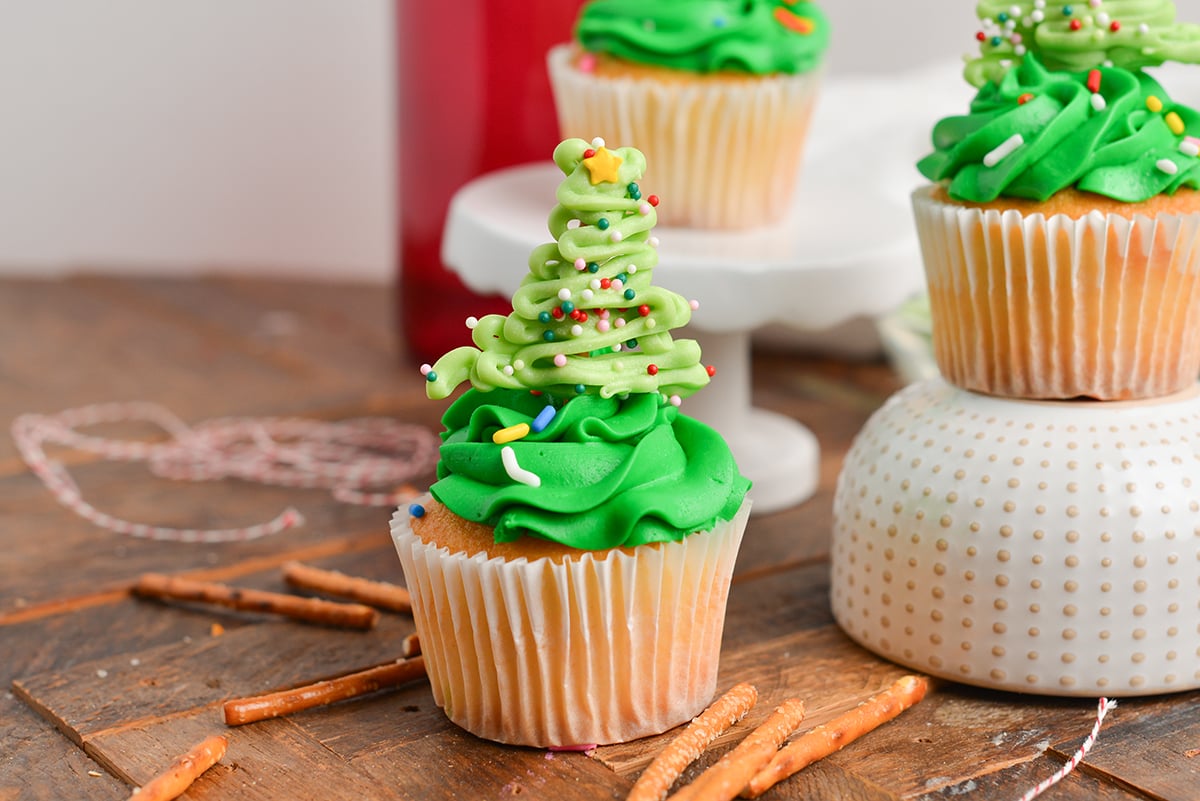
[[473, 97]]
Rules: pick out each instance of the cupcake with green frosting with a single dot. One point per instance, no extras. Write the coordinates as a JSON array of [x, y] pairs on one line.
[[718, 94], [570, 568], [1061, 233]]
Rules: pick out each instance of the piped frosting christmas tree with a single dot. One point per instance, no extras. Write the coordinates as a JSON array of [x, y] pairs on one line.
[[1130, 34], [586, 319]]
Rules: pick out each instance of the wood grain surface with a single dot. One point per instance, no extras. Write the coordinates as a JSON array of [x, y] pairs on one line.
[[104, 690]]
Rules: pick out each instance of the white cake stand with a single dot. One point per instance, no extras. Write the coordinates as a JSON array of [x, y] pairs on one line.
[[841, 252]]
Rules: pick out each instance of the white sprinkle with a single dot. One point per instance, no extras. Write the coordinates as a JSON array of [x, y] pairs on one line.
[[1102, 19], [616, 348], [519, 364], [632, 269], [472, 322], [1019, 50], [1167, 166], [594, 283], [986, 22], [620, 323], [1005, 149], [564, 294], [1039, 3], [1037, 16], [572, 224], [576, 330], [1143, 28], [651, 323], [1098, 102], [1014, 11], [598, 142], [653, 241], [517, 473], [1189, 147], [615, 236], [508, 369], [586, 295]]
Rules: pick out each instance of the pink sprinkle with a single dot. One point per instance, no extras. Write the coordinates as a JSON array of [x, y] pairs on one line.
[[587, 62], [604, 314], [675, 400], [615, 236], [580, 264], [620, 322], [644, 209], [1015, 38], [425, 368], [602, 326], [560, 360], [695, 304]]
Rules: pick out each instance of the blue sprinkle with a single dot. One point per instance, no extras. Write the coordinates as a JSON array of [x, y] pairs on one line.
[[431, 376], [580, 389], [593, 267], [416, 510], [602, 223], [630, 294], [548, 336], [543, 419], [544, 317]]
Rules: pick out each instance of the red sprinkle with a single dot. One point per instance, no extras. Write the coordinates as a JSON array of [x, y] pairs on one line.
[[587, 154], [1115, 26], [710, 370], [582, 316], [1076, 25], [652, 369], [644, 310], [1023, 99], [557, 313], [652, 200], [1093, 81], [605, 283], [981, 36]]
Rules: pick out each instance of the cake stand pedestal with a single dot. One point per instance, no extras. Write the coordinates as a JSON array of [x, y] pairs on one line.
[[818, 267], [1039, 547]]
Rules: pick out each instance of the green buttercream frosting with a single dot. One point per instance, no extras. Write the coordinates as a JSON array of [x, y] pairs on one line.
[[1130, 34], [760, 37], [613, 472], [1037, 131], [586, 372]]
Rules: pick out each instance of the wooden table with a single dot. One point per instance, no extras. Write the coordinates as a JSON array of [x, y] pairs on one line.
[[106, 689]]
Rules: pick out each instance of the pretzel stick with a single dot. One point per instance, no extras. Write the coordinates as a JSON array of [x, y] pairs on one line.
[[330, 582], [725, 779], [174, 780], [410, 646], [272, 705], [686, 748], [312, 610], [842, 730]]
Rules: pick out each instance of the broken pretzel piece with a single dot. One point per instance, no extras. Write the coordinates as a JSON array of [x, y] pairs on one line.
[[285, 702], [379, 594], [657, 778], [172, 782], [310, 610]]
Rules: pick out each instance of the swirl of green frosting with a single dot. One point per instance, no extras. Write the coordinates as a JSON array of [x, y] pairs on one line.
[[586, 317], [1080, 35], [613, 472], [760, 37], [1036, 132]]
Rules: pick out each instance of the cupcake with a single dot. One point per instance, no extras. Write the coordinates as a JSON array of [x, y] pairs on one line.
[[1061, 235], [718, 94], [570, 568]]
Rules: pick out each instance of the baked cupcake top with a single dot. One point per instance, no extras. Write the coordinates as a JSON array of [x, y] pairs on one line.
[[571, 430], [758, 37], [1064, 102]]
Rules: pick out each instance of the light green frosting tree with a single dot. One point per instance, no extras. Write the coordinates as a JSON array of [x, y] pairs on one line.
[[586, 318], [1130, 34]]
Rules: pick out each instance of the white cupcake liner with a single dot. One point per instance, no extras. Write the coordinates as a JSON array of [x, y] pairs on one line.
[[720, 154], [602, 648], [1032, 306]]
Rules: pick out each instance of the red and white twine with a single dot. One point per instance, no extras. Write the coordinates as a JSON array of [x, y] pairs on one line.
[[348, 458], [1102, 709]]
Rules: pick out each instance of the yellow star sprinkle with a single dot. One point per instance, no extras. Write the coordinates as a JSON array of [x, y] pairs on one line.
[[603, 166]]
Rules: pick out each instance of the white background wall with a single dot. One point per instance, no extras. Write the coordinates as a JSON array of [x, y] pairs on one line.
[[185, 136]]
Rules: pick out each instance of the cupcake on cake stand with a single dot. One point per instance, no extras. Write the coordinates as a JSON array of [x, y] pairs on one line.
[[1031, 521], [795, 273]]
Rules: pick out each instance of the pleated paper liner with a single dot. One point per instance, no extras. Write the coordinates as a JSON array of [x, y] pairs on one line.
[[1030, 306], [723, 153], [601, 647]]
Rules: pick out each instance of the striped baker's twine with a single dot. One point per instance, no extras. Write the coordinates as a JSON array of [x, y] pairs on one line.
[[347, 458], [1102, 709]]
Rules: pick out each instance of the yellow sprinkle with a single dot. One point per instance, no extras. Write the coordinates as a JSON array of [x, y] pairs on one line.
[[511, 433], [1174, 123], [1154, 104]]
